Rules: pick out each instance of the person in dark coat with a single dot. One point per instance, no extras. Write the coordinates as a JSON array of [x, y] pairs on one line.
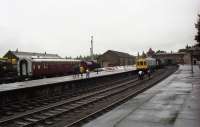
[[149, 73], [140, 75], [87, 73], [76, 72]]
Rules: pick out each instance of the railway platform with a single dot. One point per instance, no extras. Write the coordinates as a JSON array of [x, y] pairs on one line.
[[174, 102], [55, 80], [48, 87]]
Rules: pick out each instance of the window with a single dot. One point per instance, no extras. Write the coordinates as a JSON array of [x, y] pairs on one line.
[[141, 62], [145, 63]]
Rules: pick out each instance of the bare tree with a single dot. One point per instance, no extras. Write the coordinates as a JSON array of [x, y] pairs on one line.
[[197, 37]]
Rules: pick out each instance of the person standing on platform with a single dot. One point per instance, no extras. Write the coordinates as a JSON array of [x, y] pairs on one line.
[[97, 70], [140, 75], [74, 72], [149, 73], [77, 71], [87, 73], [81, 70]]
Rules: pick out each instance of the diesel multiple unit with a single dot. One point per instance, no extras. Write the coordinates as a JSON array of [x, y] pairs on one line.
[[146, 63]]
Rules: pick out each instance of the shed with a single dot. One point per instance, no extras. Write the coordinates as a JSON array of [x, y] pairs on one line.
[[14, 56], [115, 58]]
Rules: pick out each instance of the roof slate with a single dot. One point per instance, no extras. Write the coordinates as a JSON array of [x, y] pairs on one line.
[[120, 54], [34, 55]]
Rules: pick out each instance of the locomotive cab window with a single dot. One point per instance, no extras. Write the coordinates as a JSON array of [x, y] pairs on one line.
[[145, 63], [141, 62]]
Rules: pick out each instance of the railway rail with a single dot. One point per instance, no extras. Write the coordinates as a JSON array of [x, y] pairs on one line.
[[11, 110], [74, 111]]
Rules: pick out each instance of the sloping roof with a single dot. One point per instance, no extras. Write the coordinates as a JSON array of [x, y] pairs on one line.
[[33, 55], [150, 52], [54, 60], [169, 54], [120, 54]]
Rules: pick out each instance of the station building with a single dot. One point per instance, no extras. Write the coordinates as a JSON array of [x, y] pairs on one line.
[[115, 58], [13, 56], [186, 56], [172, 58], [16, 55]]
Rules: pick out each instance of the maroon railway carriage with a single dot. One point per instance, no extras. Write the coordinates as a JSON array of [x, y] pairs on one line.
[[39, 67]]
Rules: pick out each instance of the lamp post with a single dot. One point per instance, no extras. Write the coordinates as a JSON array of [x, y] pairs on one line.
[[191, 58], [91, 49], [192, 61]]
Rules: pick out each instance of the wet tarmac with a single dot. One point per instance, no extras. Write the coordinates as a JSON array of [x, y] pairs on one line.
[[173, 102]]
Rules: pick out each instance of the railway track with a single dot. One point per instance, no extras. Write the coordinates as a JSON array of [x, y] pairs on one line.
[[72, 112], [14, 109]]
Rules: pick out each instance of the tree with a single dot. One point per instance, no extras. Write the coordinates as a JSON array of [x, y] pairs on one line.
[[144, 55], [160, 51], [197, 37], [68, 57], [88, 58], [150, 53]]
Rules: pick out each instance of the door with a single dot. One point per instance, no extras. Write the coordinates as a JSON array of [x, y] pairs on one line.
[[23, 68]]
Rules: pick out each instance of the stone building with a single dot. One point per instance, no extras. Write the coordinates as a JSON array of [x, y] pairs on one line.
[[171, 58], [179, 58], [14, 56], [115, 58], [195, 53]]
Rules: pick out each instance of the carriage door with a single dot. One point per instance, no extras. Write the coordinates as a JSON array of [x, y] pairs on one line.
[[23, 68]]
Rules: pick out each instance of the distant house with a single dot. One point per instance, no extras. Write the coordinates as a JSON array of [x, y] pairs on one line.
[[182, 57], [150, 53], [195, 52], [115, 58], [171, 58], [14, 56]]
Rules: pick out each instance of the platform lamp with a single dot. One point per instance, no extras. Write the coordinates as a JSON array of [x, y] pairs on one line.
[[91, 49], [191, 58]]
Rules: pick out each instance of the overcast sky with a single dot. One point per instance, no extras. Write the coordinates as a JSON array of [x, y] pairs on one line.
[[65, 26]]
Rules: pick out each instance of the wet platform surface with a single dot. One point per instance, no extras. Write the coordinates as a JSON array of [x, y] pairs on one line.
[[46, 81], [174, 102]]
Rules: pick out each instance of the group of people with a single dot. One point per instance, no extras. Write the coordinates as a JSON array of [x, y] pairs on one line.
[[142, 73], [80, 71]]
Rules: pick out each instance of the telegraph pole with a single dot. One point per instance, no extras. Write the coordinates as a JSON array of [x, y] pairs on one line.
[[91, 49], [191, 58], [192, 61]]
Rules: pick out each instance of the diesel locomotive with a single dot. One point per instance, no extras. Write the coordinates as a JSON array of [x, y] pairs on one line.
[[146, 63]]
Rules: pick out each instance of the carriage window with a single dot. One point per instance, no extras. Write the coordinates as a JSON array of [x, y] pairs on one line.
[[141, 62], [46, 66]]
